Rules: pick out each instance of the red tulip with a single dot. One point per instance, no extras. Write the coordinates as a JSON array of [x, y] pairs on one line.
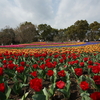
[[60, 84], [84, 85]]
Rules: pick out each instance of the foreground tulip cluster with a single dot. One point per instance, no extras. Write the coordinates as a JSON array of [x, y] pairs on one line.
[[26, 71]]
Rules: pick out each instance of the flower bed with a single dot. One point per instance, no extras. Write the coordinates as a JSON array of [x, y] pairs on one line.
[[42, 44], [48, 45], [50, 74], [12, 46]]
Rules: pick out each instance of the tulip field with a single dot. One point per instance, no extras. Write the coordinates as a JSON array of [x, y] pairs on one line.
[[50, 71]]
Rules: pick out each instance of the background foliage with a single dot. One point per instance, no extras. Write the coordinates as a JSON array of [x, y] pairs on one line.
[[27, 32]]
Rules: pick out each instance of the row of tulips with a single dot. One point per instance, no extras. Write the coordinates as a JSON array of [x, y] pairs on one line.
[[54, 44], [12, 46], [79, 49], [42, 44], [23, 69]]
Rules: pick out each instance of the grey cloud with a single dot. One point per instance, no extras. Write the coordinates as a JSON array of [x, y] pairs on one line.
[[41, 9], [57, 13], [71, 11]]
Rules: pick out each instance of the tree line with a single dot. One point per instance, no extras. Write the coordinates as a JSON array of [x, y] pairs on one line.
[[27, 32]]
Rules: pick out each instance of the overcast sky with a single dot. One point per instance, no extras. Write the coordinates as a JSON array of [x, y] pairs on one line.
[[57, 13]]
